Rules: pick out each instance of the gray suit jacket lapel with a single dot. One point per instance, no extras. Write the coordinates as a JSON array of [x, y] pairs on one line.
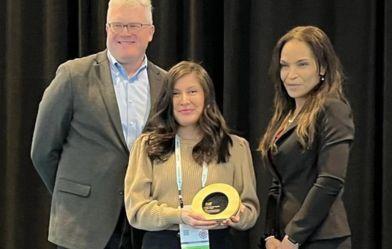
[[155, 79], [105, 83]]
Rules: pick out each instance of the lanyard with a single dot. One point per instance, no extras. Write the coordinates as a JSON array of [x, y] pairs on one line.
[[179, 171]]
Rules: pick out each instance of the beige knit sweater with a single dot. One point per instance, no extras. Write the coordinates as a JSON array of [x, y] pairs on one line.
[[151, 195]]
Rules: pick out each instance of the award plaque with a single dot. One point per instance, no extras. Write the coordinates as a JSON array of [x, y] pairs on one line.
[[218, 201]]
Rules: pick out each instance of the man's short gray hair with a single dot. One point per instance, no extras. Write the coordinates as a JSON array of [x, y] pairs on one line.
[[145, 3]]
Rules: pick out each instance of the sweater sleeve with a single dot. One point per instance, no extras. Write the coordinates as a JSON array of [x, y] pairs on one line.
[[245, 183], [336, 134], [142, 210]]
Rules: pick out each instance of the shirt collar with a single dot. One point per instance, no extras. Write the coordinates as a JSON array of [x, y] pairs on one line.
[[118, 68]]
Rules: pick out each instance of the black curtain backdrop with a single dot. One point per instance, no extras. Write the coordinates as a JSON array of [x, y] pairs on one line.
[[233, 40]]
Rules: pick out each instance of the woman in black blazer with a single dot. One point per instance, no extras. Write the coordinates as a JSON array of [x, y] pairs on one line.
[[306, 145]]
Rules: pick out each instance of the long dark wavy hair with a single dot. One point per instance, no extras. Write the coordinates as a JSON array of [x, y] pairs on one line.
[[162, 128], [330, 86]]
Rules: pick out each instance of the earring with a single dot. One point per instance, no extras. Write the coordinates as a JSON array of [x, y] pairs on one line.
[[322, 79]]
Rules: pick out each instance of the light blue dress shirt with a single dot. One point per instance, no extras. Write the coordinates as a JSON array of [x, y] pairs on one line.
[[133, 98]]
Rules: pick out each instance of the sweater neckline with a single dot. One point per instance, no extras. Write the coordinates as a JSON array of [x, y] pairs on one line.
[[189, 141]]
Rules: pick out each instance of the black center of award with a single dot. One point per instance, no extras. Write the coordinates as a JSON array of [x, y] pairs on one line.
[[215, 203]]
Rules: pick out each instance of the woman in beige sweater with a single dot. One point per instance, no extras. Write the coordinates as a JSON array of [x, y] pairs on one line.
[[186, 111]]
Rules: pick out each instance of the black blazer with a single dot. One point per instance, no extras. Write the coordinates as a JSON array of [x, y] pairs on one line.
[[304, 200]]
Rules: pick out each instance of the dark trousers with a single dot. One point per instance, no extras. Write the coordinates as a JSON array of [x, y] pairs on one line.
[[124, 236], [219, 239], [338, 243]]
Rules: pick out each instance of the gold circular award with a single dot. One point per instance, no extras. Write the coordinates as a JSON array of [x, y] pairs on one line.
[[218, 201]]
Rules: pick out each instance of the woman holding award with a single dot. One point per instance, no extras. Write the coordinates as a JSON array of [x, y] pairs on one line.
[[306, 145], [187, 146]]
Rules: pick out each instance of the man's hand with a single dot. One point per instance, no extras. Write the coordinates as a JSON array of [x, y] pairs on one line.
[[287, 244], [272, 243]]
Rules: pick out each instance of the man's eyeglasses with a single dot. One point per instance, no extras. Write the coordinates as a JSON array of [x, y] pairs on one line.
[[118, 27]]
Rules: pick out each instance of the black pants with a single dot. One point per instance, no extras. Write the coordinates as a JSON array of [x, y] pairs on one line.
[[124, 236], [338, 243], [219, 239]]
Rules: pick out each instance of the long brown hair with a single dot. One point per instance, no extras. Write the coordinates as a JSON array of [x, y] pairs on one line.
[[163, 127], [330, 85]]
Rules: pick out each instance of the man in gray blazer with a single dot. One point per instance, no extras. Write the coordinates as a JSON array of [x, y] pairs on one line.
[[87, 120]]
